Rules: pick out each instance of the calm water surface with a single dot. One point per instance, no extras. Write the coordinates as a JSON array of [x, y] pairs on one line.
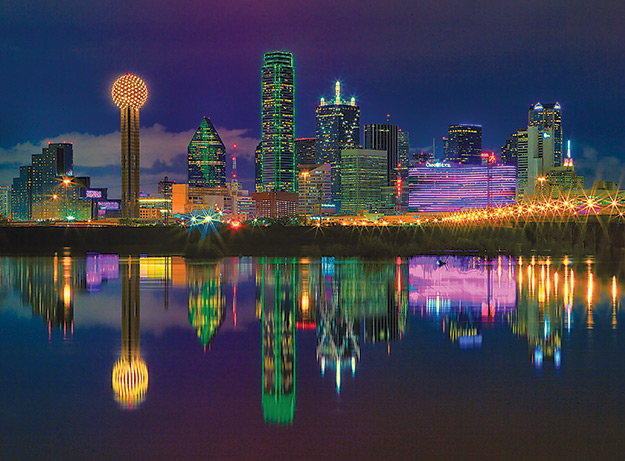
[[136, 357]]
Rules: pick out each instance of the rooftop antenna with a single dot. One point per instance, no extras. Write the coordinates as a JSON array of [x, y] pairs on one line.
[[337, 93], [388, 118]]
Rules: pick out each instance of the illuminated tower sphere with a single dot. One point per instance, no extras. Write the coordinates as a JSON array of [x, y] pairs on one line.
[[129, 93]]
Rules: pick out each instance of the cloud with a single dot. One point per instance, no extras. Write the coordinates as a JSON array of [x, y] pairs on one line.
[[162, 152]]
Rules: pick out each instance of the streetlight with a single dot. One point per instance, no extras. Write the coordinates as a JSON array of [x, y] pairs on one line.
[[305, 175]]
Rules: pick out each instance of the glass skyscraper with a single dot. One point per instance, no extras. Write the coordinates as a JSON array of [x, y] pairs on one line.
[[363, 174], [383, 136], [545, 117], [337, 128], [464, 144], [206, 159], [279, 167]]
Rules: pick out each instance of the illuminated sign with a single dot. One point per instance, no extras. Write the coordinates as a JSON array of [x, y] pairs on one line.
[[93, 193], [109, 205], [438, 165]]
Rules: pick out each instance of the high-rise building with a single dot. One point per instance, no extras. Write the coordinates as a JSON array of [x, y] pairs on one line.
[[522, 159], [258, 167], [547, 118], [130, 93], [510, 149], [48, 189], [5, 201], [337, 128], [206, 158], [164, 186], [464, 144], [314, 189], [403, 152], [279, 167], [384, 137], [364, 173], [22, 195], [305, 151]]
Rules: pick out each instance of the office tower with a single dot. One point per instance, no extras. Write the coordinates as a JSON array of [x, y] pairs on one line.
[[207, 302], [548, 119], [510, 149], [337, 128], [165, 186], [464, 144], [363, 174], [384, 137], [305, 151], [258, 167], [449, 187], [5, 201], [130, 93], [21, 195], [48, 189], [206, 158], [279, 168], [314, 189], [522, 160], [403, 152]]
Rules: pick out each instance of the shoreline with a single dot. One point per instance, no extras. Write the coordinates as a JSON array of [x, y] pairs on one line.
[[597, 236]]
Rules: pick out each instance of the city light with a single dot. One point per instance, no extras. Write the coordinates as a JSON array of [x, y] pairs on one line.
[[129, 91]]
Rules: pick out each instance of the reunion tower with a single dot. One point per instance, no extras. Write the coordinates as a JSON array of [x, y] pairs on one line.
[[129, 93]]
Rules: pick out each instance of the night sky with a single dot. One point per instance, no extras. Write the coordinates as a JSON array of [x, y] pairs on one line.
[[428, 64]]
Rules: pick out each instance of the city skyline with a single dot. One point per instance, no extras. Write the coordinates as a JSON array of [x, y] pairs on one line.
[[426, 92]]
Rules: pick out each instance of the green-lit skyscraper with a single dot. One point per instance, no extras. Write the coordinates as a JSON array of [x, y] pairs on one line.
[[279, 167], [206, 159], [363, 175], [337, 128]]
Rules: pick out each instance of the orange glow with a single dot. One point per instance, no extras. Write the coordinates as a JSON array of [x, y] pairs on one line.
[[129, 91], [236, 224], [130, 380]]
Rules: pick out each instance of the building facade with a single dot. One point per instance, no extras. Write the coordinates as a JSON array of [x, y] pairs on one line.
[[364, 174], [314, 189], [164, 186], [279, 167], [383, 136], [547, 118], [337, 128], [275, 204], [464, 144], [48, 189], [403, 152], [443, 187], [305, 151], [5, 201], [206, 158]]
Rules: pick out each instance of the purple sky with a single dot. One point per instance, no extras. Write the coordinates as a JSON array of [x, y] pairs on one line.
[[427, 63]]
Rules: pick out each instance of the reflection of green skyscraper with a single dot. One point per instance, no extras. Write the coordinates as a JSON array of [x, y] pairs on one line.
[[278, 347], [206, 160], [206, 302]]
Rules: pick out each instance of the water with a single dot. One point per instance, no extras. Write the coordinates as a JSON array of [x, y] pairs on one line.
[[111, 357]]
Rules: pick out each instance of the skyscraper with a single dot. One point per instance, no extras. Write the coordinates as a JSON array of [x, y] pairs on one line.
[[464, 144], [130, 93], [279, 168], [403, 155], [258, 167], [548, 117], [384, 137], [206, 158], [337, 128], [364, 173], [305, 151]]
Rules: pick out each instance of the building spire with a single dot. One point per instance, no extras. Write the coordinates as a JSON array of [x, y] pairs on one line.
[[337, 92]]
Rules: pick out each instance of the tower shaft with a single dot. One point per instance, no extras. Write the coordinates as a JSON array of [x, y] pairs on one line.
[[130, 162]]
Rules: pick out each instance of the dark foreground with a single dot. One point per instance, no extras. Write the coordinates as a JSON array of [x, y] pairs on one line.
[[598, 236]]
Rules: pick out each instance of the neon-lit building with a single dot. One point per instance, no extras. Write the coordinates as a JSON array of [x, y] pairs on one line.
[[130, 93], [279, 167], [445, 187]]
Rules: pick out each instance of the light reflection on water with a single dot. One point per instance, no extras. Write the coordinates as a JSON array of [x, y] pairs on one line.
[[344, 311]]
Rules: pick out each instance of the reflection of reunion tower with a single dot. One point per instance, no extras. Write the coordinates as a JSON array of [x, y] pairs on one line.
[[129, 93], [130, 374]]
